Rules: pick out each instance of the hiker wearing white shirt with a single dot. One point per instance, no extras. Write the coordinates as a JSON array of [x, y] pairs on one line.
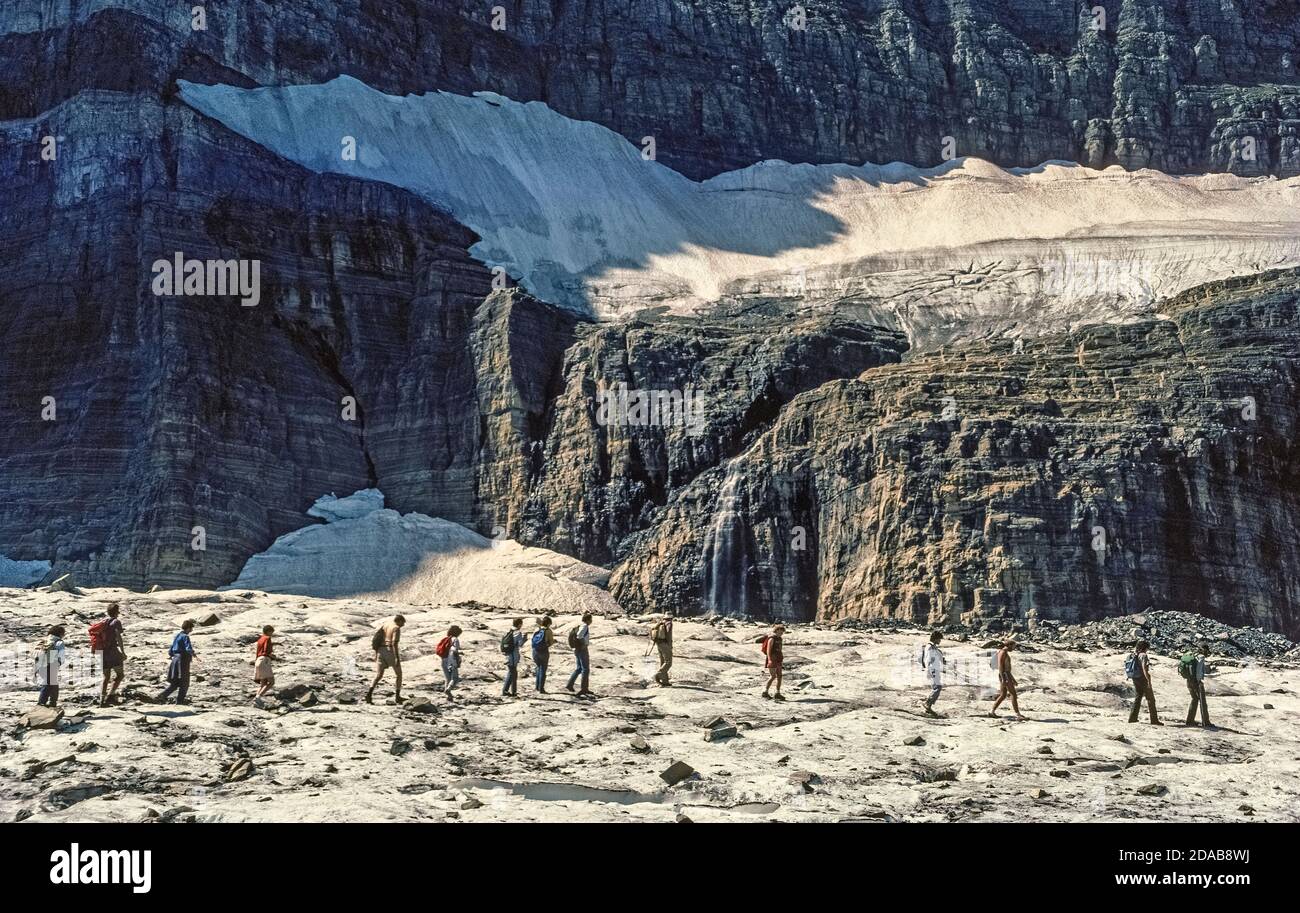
[[52, 655], [932, 662], [580, 641]]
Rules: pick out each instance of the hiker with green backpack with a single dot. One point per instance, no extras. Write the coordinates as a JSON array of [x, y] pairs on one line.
[[1138, 668], [511, 643], [1191, 666]]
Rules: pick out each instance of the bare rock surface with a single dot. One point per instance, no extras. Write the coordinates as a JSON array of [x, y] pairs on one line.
[[850, 742]]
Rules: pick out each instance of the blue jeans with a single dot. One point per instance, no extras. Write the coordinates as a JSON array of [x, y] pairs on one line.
[[49, 693], [178, 677], [512, 678], [583, 668], [540, 659]]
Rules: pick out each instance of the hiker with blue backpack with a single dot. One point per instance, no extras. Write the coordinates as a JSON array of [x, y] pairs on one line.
[[1192, 667], [1138, 668], [178, 671], [543, 637], [511, 645]]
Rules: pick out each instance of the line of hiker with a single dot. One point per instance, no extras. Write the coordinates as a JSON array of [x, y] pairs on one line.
[[107, 643]]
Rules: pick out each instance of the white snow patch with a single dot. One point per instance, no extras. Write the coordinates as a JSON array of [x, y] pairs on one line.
[[368, 550], [21, 573], [576, 214]]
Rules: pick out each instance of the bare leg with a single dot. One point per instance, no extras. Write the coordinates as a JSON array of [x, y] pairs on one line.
[[1015, 705], [1002, 695], [379, 673], [397, 684]]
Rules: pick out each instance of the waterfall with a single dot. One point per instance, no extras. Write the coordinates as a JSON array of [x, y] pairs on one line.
[[725, 565]]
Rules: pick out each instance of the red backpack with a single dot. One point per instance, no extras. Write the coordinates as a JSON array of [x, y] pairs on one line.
[[99, 634], [767, 639], [444, 646]]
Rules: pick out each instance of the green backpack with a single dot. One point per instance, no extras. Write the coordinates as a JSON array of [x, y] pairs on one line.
[[1187, 666]]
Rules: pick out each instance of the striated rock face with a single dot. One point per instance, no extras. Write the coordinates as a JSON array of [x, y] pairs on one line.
[[1170, 84], [1109, 470]]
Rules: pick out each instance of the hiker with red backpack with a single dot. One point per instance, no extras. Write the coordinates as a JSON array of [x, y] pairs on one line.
[[448, 650], [511, 645], [385, 642], [580, 642], [543, 637], [107, 645], [775, 658]]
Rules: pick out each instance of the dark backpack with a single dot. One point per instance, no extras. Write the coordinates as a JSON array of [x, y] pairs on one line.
[[508, 643], [574, 642], [378, 640]]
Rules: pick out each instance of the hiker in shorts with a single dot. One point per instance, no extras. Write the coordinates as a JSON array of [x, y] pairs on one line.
[[1006, 681], [932, 662], [264, 654], [449, 650], [178, 671], [512, 645], [661, 635], [543, 637], [49, 660], [1192, 667], [388, 654], [772, 649], [112, 652], [580, 641], [1139, 664]]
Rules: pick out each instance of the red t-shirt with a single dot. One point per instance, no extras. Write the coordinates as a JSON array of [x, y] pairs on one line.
[[264, 646]]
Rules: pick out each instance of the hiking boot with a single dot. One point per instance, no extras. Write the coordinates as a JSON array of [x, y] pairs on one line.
[[778, 696], [370, 697]]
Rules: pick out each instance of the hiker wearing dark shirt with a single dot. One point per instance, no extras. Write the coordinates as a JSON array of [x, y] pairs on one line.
[[580, 641], [774, 662], [661, 636], [178, 672], [386, 643], [511, 645], [1006, 681], [543, 637], [112, 654], [1140, 667], [1192, 666]]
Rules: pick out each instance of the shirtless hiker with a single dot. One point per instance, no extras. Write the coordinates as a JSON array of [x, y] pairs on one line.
[[387, 653], [1006, 680]]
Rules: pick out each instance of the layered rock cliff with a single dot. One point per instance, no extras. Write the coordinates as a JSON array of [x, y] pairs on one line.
[[1105, 471], [1170, 84]]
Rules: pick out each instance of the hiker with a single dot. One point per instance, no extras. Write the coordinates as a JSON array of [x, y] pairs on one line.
[[580, 641], [1138, 668], [932, 662], [263, 674], [386, 644], [178, 671], [511, 645], [661, 635], [1192, 668], [106, 641], [1006, 681], [543, 637], [48, 662], [449, 650], [775, 659]]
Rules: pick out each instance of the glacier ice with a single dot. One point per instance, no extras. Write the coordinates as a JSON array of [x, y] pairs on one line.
[[580, 218]]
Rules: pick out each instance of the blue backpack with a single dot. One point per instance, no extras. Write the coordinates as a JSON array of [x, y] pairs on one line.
[[539, 638], [1132, 669]]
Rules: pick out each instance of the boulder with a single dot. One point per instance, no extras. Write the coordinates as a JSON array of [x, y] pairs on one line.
[[677, 772]]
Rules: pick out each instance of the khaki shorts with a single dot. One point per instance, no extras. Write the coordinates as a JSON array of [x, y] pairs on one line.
[[385, 659], [262, 670]]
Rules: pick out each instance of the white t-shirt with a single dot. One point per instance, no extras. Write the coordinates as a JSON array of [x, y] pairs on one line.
[[932, 660]]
